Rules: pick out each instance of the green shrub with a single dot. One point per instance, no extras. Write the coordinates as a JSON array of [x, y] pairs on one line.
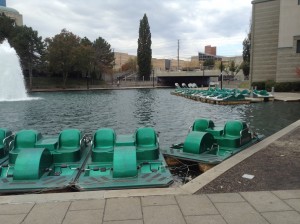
[[287, 86], [259, 85], [269, 84], [279, 86]]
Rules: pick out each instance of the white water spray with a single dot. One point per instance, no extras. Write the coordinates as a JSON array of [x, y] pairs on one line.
[[12, 86]]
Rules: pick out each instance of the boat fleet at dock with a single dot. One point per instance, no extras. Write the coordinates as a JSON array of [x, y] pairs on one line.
[[31, 162], [224, 96]]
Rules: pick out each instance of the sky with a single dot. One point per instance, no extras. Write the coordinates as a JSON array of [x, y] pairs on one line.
[[195, 23]]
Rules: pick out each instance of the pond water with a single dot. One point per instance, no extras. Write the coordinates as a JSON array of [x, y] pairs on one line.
[[126, 110]]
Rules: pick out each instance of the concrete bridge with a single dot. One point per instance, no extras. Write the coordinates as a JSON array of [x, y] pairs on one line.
[[198, 77]]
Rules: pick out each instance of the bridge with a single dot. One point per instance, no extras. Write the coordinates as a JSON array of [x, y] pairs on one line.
[[198, 77]]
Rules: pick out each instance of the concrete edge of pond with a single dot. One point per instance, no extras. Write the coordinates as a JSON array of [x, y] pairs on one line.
[[189, 188]]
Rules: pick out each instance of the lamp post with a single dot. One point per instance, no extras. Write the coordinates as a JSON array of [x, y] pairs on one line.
[[221, 75], [153, 77], [87, 81]]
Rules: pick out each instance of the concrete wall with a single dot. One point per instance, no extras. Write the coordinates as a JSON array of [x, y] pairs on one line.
[[265, 30], [289, 33], [289, 25]]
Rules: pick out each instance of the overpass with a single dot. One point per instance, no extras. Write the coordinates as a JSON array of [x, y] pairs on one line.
[[198, 77]]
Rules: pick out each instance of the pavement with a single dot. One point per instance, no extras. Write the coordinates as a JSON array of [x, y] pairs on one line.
[[161, 205], [276, 207], [287, 97]]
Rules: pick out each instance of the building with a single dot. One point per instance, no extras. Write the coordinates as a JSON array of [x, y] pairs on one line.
[[10, 12], [121, 59], [210, 50], [275, 40]]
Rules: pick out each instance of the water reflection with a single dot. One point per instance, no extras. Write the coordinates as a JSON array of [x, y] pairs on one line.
[[126, 110], [144, 107]]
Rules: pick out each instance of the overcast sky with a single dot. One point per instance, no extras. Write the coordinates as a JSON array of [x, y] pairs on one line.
[[196, 23]]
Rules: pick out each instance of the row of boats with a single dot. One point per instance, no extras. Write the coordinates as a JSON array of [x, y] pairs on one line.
[[31, 162], [217, 95]]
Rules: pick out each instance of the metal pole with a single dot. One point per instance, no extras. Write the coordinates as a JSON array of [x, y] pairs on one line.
[[221, 75], [153, 77], [178, 56]]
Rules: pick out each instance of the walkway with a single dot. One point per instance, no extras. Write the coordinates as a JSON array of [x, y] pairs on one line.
[[247, 207]]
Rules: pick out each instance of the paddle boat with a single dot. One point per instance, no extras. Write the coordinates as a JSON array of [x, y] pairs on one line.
[[209, 145], [124, 161], [37, 163], [6, 136]]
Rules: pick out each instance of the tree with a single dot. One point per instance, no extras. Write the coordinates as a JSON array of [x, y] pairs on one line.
[[233, 68], [62, 53], [246, 54], [104, 56], [30, 48], [144, 52], [7, 26], [86, 57], [130, 65]]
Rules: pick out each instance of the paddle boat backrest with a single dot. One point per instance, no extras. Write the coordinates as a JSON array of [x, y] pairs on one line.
[[146, 143], [104, 138], [26, 139], [146, 137], [69, 139], [70, 145], [202, 125], [236, 134], [103, 145], [233, 128]]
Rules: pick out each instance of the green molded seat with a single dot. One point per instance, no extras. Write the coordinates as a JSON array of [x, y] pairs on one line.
[[5, 138], [202, 124], [146, 144], [24, 139], [103, 145], [69, 148], [198, 142], [206, 125], [236, 134]]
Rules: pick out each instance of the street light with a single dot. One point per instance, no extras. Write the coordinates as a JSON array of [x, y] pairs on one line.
[[87, 81], [153, 77]]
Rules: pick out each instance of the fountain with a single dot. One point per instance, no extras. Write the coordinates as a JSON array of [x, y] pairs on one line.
[[12, 86]]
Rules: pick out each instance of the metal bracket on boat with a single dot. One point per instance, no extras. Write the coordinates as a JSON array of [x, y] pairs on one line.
[[10, 144], [7, 149], [101, 169], [8, 167]]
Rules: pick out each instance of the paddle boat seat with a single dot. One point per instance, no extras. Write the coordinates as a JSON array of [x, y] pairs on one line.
[[69, 146], [5, 138], [205, 125], [24, 139], [146, 144], [236, 133], [103, 145]]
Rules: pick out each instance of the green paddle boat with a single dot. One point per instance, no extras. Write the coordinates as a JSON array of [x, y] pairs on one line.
[[124, 161], [37, 163], [208, 144]]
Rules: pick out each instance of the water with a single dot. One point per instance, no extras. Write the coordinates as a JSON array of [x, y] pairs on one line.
[[12, 86], [126, 110]]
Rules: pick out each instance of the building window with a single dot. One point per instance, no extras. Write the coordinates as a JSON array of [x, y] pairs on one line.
[[298, 2], [298, 46]]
